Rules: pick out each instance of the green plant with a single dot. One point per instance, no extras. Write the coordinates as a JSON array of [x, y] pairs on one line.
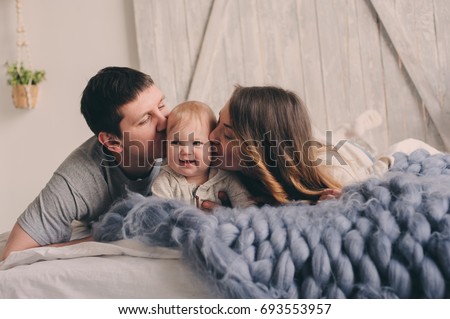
[[22, 76]]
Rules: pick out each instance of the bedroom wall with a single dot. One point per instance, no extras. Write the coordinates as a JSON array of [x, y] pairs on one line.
[[71, 40]]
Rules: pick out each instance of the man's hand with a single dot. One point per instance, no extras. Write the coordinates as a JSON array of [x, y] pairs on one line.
[[330, 194], [208, 205]]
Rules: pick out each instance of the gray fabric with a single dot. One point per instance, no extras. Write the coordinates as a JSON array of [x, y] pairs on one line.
[[82, 188]]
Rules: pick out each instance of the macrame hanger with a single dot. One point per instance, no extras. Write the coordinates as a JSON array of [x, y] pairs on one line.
[[23, 49]]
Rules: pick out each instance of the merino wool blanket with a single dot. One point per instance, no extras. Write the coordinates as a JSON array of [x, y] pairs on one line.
[[383, 238]]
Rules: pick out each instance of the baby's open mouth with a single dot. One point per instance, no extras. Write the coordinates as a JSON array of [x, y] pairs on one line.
[[187, 162]]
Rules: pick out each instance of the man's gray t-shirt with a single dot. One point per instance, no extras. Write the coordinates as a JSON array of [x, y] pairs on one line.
[[82, 188]]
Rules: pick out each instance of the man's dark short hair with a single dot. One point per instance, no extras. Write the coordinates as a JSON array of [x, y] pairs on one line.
[[107, 92]]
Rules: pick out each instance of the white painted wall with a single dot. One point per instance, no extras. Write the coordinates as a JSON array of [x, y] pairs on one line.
[[71, 40]]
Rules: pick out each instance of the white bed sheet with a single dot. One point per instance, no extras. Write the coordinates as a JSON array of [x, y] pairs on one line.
[[124, 269]]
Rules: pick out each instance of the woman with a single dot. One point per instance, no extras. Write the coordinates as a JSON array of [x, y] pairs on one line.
[[265, 134]]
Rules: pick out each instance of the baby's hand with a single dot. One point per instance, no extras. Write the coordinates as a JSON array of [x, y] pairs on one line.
[[208, 205]]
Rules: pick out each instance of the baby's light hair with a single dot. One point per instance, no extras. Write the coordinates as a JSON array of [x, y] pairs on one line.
[[187, 111]]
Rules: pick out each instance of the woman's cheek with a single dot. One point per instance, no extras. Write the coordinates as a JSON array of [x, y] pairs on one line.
[[234, 157]]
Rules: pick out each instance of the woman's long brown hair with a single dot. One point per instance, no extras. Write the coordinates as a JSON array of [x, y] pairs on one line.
[[277, 149]]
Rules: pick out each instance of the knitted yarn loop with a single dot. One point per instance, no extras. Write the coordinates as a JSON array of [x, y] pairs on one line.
[[384, 238]]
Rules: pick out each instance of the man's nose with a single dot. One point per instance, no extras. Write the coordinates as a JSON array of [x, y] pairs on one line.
[[162, 122]]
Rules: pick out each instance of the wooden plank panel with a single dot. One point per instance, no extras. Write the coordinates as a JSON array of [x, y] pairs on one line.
[[399, 37], [331, 59], [341, 13], [427, 50], [165, 50], [169, 35], [352, 75], [423, 38], [161, 60], [407, 103], [178, 42], [232, 49], [290, 47], [271, 55], [145, 33], [214, 90], [212, 39], [219, 90], [442, 24], [372, 68], [402, 100], [197, 14], [353, 71], [251, 44], [352, 56], [270, 42], [310, 62]]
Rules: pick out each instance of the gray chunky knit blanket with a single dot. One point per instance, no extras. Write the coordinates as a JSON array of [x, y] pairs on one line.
[[384, 238]]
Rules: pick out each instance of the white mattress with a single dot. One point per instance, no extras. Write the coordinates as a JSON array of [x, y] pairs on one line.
[[124, 269]]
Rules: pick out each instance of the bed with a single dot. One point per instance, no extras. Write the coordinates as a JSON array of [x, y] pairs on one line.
[[123, 269], [384, 238]]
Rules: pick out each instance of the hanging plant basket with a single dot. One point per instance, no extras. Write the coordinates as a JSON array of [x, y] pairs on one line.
[[24, 83], [21, 76], [23, 99]]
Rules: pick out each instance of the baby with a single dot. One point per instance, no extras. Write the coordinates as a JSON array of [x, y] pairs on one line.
[[188, 176]]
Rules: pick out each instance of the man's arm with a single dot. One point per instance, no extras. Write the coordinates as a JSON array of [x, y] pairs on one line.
[[18, 240], [72, 242]]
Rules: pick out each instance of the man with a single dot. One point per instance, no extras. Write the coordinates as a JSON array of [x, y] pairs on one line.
[[127, 113]]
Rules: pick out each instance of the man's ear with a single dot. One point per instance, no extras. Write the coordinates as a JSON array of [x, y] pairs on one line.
[[111, 142]]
